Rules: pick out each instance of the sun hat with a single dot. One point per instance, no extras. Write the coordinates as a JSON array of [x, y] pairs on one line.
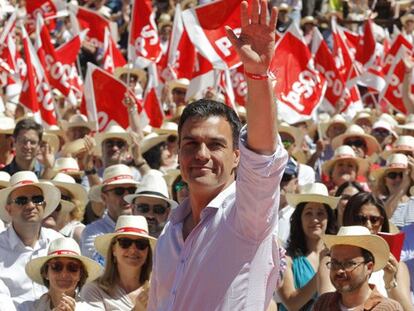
[[125, 225], [343, 153], [68, 183], [167, 127], [404, 143], [56, 130], [67, 165], [296, 133], [360, 236], [28, 178], [52, 140], [395, 162], [78, 120], [407, 17], [4, 179], [118, 174], [7, 125], [62, 248], [363, 115], [309, 20], [141, 74], [75, 147], [112, 131], [315, 192], [357, 131], [382, 124], [151, 140], [336, 119], [152, 185], [284, 7], [182, 83]]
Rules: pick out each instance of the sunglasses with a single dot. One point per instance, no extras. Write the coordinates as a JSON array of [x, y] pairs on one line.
[[363, 219], [380, 133], [112, 143], [394, 175], [145, 208], [58, 266], [347, 266], [65, 197], [180, 186], [359, 143], [287, 144], [120, 191], [126, 243], [23, 200], [179, 92]]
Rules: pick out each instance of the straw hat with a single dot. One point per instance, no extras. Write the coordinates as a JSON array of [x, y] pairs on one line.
[[284, 7], [296, 133], [56, 130], [315, 192], [67, 182], [342, 153], [182, 83], [78, 120], [52, 140], [356, 131], [382, 124], [139, 73], [336, 119], [28, 178], [167, 127], [404, 143], [309, 20], [7, 125], [62, 248], [112, 131], [67, 165], [360, 236], [152, 185], [395, 162], [363, 115], [4, 179], [125, 225], [407, 17], [151, 140], [75, 147], [118, 174]]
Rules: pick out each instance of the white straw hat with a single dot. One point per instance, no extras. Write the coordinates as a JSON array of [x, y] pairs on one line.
[[151, 140], [315, 192], [112, 131], [28, 178], [179, 83], [141, 74], [336, 119], [62, 248], [118, 174], [7, 125], [404, 143], [360, 236], [167, 127], [67, 165], [125, 225], [52, 140], [345, 153], [77, 191], [4, 179], [78, 120], [356, 131], [152, 185], [395, 162]]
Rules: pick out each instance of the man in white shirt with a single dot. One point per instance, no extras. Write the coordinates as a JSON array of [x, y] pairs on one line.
[[25, 203]]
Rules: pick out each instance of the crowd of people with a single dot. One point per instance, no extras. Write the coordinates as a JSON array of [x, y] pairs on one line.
[[216, 209]]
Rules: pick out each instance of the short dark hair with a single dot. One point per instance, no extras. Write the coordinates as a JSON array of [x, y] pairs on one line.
[[354, 205], [367, 255], [28, 124], [347, 184], [204, 108]]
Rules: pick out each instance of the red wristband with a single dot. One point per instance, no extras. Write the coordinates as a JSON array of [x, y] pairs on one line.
[[256, 76]]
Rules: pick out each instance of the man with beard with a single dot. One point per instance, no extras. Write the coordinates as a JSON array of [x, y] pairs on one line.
[[355, 254], [25, 203], [151, 200]]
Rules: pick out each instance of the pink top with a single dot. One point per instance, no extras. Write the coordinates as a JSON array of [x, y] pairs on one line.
[[230, 261]]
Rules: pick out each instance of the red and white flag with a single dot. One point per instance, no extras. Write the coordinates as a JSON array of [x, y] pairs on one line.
[[36, 94], [204, 77], [152, 103], [205, 27], [299, 87], [396, 45], [226, 87], [45, 8], [239, 85], [104, 98], [366, 45], [144, 43]]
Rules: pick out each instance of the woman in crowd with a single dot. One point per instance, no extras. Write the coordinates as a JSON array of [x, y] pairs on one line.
[[63, 271], [124, 282], [393, 281], [345, 191], [312, 218]]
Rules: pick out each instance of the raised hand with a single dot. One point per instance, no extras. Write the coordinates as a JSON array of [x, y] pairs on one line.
[[256, 43]]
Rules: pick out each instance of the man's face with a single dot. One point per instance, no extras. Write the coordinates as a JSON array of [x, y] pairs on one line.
[[155, 210], [178, 95], [350, 278], [113, 197], [335, 129], [114, 151], [206, 156], [27, 145], [23, 211]]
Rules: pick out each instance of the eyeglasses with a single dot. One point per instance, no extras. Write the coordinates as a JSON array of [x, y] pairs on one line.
[[381, 133], [347, 266], [144, 208], [394, 175], [119, 191], [109, 143], [65, 197], [126, 243], [374, 220], [23, 200], [180, 186], [58, 266], [359, 143], [179, 92]]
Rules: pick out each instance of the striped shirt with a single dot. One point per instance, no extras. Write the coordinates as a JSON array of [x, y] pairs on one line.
[[332, 302]]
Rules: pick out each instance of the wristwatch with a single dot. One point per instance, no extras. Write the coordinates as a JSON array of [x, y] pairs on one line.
[[90, 172]]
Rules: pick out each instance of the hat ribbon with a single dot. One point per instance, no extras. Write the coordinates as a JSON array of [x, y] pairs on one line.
[[64, 252], [106, 181], [152, 193], [131, 229]]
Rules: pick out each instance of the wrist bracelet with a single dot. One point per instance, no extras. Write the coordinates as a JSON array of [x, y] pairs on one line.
[[256, 76], [90, 172], [392, 285]]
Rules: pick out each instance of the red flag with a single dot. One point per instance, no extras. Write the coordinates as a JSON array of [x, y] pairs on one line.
[[36, 94], [205, 27], [104, 98], [366, 45], [203, 77], [44, 8], [299, 87], [152, 103], [143, 40], [9, 73], [239, 85], [398, 42], [225, 86]]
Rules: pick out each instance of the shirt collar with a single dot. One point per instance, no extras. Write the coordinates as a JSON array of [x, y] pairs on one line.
[[15, 241], [374, 299], [108, 220]]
